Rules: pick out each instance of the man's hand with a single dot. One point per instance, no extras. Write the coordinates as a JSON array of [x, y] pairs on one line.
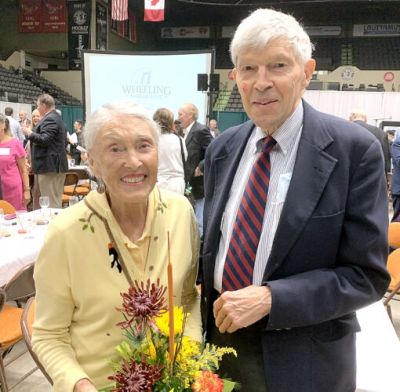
[[238, 309], [197, 172], [26, 131], [84, 385]]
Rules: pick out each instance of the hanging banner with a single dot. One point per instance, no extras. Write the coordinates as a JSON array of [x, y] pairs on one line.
[[154, 10], [78, 32], [101, 27], [186, 32], [30, 16], [54, 16], [126, 28], [119, 10], [376, 30]]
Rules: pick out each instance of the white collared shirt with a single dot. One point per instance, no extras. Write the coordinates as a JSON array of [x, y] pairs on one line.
[[187, 130], [283, 157]]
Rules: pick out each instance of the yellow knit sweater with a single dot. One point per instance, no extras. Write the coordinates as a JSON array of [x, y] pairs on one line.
[[75, 333]]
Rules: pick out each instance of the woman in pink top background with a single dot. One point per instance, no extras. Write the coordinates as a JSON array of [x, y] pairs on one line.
[[13, 172]]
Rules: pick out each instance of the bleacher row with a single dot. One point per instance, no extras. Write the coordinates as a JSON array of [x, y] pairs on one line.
[[330, 53], [24, 87]]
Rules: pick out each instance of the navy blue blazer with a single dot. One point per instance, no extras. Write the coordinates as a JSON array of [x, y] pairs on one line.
[[48, 143], [196, 141], [328, 257]]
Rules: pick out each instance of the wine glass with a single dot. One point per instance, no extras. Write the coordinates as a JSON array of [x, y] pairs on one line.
[[44, 203], [73, 200]]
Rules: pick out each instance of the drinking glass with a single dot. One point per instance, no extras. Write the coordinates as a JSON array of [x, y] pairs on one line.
[[73, 200], [72, 162], [44, 203]]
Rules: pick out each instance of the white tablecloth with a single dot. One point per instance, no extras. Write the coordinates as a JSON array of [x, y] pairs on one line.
[[378, 351], [18, 250]]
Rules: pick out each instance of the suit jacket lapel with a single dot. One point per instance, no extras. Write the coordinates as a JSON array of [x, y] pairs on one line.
[[312, 170]]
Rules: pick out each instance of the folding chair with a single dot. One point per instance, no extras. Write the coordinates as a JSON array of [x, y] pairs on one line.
[[70, 183], [393, 266], [7, 207], [394, 235], [21, 286], [10, 334], [28, 317]]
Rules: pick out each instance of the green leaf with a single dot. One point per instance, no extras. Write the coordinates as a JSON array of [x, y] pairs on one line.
[[82, 220], [85, 227], [92, 228], [229, 386]]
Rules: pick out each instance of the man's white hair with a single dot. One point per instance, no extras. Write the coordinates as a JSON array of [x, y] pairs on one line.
[[265, 25]]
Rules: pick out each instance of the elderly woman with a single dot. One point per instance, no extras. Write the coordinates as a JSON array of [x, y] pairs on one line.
[[81, 271], [172, 154]]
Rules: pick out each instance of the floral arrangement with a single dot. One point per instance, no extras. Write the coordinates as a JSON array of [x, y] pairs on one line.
[[156, 356]]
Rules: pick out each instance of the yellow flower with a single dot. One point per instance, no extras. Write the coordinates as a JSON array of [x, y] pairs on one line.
[[162, 321]]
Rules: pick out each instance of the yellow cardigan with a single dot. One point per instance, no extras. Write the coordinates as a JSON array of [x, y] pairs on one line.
[[77, 290]]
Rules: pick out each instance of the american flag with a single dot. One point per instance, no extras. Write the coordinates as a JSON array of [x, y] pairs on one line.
[[119, 9]]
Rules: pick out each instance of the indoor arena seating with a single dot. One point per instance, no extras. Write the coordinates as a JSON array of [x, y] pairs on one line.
[[235, 102], [376, 53], [61, 97], [25, 87], [14, 88]]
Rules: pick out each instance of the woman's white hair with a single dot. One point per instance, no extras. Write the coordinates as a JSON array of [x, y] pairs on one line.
[[265, 25], [113, 111]]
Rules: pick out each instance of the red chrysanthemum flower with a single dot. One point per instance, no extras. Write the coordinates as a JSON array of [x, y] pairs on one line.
[[141, 304], [207, 382], [136, 377]]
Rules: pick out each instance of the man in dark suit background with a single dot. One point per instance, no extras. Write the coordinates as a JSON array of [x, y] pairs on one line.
[[197, 137], [359, 117], [49, 158], [283, 291]]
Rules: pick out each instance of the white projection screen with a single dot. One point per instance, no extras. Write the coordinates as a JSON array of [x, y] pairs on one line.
[[152, 79]]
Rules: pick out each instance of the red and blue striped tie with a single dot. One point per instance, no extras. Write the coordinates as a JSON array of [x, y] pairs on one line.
[[239, 262]]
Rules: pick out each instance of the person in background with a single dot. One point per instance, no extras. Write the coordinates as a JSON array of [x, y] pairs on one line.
[[197, 138], [178, 129], [295, 223], [75, 332], [171, 154], [76, 139], [390, 134], [15, 128], [214, 128], [49, 159], [359, 117], [13, 171], [23, 119], [36, 117], [395, 181]]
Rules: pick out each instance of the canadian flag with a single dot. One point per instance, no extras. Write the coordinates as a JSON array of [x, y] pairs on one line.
[[119, 9], [154, 10]]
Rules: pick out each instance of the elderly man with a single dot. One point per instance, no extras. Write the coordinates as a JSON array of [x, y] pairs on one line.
[[49, 159], [197, 137], [295, 223], [23, 119], [214, 128]]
